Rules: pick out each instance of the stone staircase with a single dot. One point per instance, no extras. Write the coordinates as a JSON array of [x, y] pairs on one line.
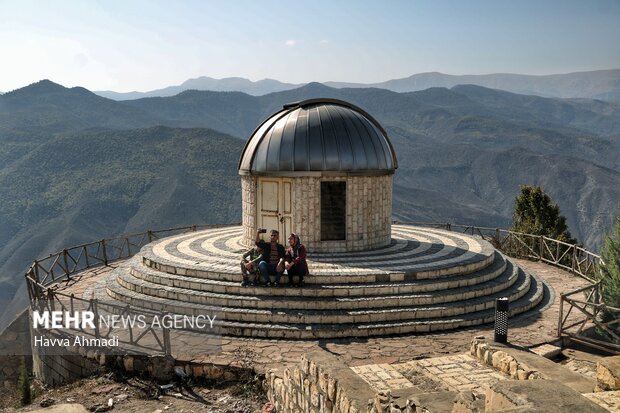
[[426, 280]]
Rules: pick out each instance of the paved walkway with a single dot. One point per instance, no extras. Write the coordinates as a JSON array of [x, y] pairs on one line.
[[453, 373], [608, 399], [528, 330]]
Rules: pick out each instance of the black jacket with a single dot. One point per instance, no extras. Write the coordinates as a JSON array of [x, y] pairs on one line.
[[266, 246]]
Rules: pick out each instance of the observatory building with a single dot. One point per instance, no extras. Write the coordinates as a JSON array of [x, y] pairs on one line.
[[322, 168]]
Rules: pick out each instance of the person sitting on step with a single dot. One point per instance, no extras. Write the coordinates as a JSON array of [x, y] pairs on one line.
[[249, 265], [272, 260], [295, 261]]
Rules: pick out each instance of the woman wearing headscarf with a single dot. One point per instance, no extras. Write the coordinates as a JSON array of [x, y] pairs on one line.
[[295, 261]]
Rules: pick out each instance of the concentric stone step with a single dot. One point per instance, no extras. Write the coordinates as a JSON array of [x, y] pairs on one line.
[[327, 312], [415, 253], [276, 330], [426, 280], [296, 300], [488, 273]]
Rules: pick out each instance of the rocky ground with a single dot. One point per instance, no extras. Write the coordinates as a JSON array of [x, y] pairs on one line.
[[103, 393]]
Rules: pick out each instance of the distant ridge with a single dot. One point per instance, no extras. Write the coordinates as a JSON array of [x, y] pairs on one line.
[[599, 84], [44, 108], [204, 83]]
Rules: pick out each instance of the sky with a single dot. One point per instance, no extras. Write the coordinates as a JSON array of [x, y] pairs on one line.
[[140, 45]]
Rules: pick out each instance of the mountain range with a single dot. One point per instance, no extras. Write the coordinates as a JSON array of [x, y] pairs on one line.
[[75, 166], [600, 84], [228, 84]]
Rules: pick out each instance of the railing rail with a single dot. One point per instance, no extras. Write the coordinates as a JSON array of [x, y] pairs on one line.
[[590, 309], [129, 332]]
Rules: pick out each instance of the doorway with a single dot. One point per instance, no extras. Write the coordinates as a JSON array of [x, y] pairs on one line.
[[275, 206]]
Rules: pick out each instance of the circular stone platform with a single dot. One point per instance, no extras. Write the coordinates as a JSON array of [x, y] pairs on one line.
[[425, 280]]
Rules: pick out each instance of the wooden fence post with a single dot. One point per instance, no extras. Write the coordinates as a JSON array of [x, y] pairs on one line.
[[36, 271], [597, 298], [105, 254], [66, 262], [30, 288], [561, 315], [95, 308], [541, 246], [86, 256], [50, 299]]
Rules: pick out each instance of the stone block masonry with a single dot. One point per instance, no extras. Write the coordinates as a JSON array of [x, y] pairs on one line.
[[56, 369], [608, 373], [368, 212], [502, 361], [458, 384], [249, 202], [321, 383], [324, 383], [522, 364], [14, 343]]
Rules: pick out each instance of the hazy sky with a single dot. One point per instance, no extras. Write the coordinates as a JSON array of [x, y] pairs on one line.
[[143, 45]]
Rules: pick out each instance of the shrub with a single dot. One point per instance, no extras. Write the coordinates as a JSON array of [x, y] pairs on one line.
[[536, 214], [610, 273]]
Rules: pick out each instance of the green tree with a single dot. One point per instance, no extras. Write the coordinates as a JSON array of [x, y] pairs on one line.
[[536, 214], [610, 272]]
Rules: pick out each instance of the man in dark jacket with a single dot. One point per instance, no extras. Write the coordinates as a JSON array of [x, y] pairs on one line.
[[272, 261]]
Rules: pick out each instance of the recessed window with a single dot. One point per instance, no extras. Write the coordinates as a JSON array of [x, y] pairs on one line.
[[333, 211]]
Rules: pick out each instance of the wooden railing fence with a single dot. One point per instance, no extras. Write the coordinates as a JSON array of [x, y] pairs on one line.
[[46, 276], [593, 310]]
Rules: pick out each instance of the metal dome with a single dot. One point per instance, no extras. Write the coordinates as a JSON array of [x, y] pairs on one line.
[[318, 135]]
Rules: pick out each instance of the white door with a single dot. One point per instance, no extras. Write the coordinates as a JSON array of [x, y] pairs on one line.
[[275, 206]]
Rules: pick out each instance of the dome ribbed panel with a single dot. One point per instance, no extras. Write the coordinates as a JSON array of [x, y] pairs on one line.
[[318, 135]]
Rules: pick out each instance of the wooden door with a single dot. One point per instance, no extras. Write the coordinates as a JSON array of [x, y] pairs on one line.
[[275, 206]]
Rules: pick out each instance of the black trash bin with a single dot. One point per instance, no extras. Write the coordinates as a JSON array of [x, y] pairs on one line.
[[501, 320]]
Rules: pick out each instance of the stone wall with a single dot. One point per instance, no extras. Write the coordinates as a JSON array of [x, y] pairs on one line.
[[369, 212], [323, 383], [248, 209], [502, 361], [56, 369], [608, 374], [14, 343]]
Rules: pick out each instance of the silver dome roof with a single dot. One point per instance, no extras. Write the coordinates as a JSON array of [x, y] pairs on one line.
[[318, 135]]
